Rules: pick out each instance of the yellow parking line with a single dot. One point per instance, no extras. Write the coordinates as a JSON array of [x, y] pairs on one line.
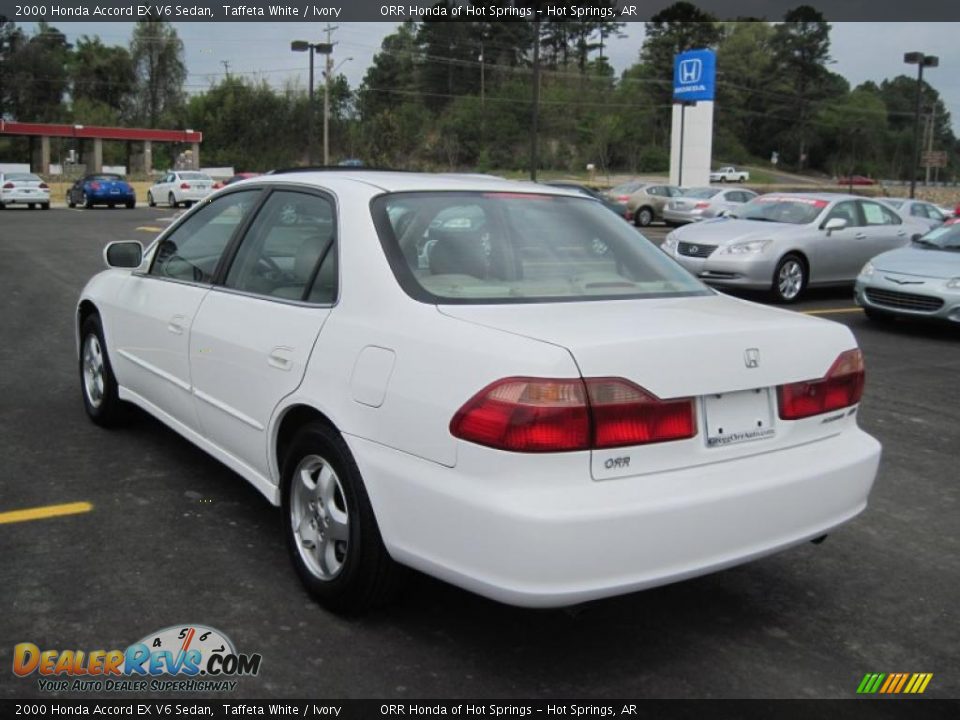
[[47, 511], [833, 311], [149, 228]]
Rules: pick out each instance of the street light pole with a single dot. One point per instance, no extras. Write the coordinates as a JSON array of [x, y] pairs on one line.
[[323, 49], [921, 61], [326, 111]]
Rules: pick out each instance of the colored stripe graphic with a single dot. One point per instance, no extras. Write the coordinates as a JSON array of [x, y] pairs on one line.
[[894, 683]]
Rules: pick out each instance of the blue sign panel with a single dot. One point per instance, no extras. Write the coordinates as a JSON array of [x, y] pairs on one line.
[[694, 75]]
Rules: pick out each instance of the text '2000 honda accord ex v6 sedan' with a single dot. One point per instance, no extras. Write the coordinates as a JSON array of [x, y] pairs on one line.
[[499, 384]]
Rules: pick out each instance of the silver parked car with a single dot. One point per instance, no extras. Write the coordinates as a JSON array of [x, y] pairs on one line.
[[922, 212], [701, 203], [787, 242], [919, 281]]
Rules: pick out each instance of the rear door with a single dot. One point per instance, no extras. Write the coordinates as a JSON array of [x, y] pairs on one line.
[[255, 331]]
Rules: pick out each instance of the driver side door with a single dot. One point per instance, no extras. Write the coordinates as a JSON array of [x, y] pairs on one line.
[[156, 309]]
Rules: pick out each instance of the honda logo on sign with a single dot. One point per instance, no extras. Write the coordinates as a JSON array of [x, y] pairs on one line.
[[691, 70], [751, 357]]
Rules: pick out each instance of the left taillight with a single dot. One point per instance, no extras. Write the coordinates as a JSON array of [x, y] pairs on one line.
[[701, 205], [559, 415], [8, 186], [184, 186], [841, 387]]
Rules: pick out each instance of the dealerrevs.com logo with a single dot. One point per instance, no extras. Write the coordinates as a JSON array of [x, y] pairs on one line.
[[180, 658]]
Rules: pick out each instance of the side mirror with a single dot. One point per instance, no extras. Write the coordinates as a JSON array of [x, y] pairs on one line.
[[123, 254], [835, 224]]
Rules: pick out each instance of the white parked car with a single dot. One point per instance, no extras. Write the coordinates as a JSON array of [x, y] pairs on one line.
[[23, 189], [180, 187], [491, 382], [729, 174]]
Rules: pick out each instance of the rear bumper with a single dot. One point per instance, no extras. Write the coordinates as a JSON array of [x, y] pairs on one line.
[[535, 531], [682, 216], [19, 197], [108, 197]]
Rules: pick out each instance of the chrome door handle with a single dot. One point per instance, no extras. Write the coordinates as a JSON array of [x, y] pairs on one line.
[[279, 358], [860, 236], [176, 324]]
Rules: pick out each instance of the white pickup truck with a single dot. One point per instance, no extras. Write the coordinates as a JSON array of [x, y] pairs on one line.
[[729, 174]]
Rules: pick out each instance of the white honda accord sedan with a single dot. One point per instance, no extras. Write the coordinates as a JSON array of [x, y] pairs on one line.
[[499, 384]]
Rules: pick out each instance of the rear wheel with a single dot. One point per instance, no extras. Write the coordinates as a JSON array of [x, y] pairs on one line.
[[741, 179], [330, 528], [31, 206], [87, 201], [131, 204], [70, 202], [789, 279], [643, 217], [97, 382], [171, 200], [45, 206]]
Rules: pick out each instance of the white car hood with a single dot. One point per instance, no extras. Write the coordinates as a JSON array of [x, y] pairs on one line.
[[679, 346]]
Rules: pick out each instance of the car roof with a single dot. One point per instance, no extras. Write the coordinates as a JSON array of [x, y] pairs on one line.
[[394, 181], [825, 196]]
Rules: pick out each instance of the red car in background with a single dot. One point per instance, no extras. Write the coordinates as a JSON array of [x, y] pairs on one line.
[[236, 178], [856, 180]]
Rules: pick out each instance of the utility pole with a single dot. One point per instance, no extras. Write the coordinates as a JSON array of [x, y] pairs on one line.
[[326, 96], [921, 61], [226, 67], [534, 149], [929, 128]]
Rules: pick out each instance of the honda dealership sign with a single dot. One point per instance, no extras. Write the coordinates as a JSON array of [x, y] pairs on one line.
[[694, 75]]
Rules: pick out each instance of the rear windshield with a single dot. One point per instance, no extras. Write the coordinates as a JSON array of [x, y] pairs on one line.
[[22, 177], [793, 210], [701, 193], [194, 176], [627, 188], [456, 247], [105, 177]]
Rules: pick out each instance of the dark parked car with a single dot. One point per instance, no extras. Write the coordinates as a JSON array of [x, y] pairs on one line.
[[101, 189], [613, 205], [235, 178]]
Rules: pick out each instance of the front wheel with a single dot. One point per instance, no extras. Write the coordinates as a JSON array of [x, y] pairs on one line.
[[97, 382], [330, 528], [150, 201], [789, 279]]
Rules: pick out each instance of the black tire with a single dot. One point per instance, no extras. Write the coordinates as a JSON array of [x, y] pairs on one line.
[[31, 206], [150, 201], [131, 204], [789, 279], [70, 203], [879, 316], [108, 410], [45, 206], [643, 217], [111, 205], [172, 201], [87, 201], [723, 178], [741, 179], [367, 576], [2, 206]]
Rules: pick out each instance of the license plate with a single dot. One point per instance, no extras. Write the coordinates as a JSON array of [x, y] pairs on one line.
[[738, 417], [114, 192]]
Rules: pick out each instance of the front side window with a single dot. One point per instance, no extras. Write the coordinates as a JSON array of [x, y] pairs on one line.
[[192, 251], [289, 250], [483, 247], [845, 211]]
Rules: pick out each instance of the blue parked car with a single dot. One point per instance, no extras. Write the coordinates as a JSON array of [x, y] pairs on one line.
[[101, 189]]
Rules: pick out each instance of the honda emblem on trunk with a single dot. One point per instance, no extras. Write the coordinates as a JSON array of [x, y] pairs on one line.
[[751, 357]]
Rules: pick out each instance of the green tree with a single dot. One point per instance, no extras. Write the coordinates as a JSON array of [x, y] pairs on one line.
[[157, 54], [802, 51], [36, 78], [102, 74], [392, 76]]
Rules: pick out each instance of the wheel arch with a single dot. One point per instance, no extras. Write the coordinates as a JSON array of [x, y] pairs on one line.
[[85, 309], [291, 419]]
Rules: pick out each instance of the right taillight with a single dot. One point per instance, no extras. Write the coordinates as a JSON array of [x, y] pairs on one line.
[[841, 387], [559, 415], [184, 186]]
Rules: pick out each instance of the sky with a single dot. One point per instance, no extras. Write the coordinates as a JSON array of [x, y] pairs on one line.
[[861, 51]]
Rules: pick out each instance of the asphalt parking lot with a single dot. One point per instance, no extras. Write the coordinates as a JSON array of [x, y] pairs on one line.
[[174, 537]]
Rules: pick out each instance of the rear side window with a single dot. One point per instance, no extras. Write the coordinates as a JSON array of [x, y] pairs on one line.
[[456, 247], [877, 214], [192, 251], [289, 250]]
